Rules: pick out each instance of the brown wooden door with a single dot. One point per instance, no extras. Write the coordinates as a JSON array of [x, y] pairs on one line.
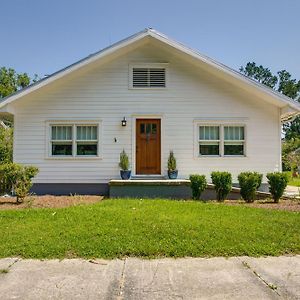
[[148, 146]]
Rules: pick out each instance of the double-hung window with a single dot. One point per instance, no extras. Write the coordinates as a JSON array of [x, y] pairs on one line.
[[234, 140], [221, 140], [74, 140], [209, 140], [61, 140]]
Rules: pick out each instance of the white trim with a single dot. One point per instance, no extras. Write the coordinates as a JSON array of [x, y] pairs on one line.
[[74, 123], [3, 125], [280, 143], [134, 117], [221, 124]]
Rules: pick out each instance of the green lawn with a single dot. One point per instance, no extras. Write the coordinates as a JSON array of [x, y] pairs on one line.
[[148, 228], [293, 181]]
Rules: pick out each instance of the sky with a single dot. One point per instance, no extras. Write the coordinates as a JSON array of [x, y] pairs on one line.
[[43, 36]]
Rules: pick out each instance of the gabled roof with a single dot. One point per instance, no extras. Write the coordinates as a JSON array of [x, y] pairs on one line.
[[294, 106]]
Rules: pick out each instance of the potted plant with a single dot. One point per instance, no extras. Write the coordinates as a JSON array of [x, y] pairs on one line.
[[124, 165], [172, 170]]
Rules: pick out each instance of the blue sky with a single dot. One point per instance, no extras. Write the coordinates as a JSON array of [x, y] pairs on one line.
[[43, 36]]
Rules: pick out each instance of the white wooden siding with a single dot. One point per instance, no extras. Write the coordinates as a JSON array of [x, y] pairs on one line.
[[102, 93]]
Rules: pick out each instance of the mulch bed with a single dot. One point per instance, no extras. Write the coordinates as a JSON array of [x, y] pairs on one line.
[[47, 201], [284, 204]]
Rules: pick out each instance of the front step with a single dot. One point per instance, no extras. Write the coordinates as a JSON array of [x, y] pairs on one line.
[[146, 188], [148, 177]]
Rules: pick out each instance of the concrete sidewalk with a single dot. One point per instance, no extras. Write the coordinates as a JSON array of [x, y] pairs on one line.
[[187, 278]]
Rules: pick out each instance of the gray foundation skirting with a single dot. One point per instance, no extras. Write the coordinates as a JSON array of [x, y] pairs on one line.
[[136, 189], [70, 188]]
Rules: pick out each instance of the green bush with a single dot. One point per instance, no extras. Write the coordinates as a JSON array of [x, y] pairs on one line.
[[198, 185], [6, 145], [277, 183], [223, 184], [124, 161], [249, 183], [17, 178]]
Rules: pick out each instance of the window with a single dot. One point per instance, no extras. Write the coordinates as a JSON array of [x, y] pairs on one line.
[[87, 140], [61, 140], [148, 76], [209, 140], [221, 140], [74, 140], [234, 140]]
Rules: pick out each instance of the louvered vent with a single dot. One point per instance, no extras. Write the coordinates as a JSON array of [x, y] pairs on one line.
[[149, 77]]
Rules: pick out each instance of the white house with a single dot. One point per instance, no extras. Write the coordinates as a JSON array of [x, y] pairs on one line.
[[69, 124]]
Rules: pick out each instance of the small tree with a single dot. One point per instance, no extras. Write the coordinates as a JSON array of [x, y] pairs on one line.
[[17, 178], [223, 184], [249, 183], [124, 161], [198, 185], [172, 164], [277, 184]]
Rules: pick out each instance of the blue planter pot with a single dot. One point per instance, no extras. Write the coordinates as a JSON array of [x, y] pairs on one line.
[[125, 174], [173, 174]]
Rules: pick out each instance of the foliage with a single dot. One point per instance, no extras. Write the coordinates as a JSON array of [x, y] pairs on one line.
[[148, 228], [288, 147], [260, 74], [6, 145], [124, 161], [17, 178], [277, 182], [294, 181], [172, 162], [11, 81], [249, 182], [283, 83], [198, 185], [223, 184]]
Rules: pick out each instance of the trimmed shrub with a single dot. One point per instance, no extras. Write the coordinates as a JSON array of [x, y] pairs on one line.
[[249, 183], [223, 184], [124, 161], [17, 178], [172, 164], [277, 183], [198, 185]]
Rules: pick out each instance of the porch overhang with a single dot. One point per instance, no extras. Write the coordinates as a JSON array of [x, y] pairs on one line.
[[289, 113], [6, 113]]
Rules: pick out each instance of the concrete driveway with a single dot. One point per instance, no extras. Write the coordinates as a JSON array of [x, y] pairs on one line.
[[187, 278]]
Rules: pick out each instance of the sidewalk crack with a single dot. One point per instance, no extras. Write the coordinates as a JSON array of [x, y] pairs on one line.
[[122, 282], [14, 262], [271, 286]]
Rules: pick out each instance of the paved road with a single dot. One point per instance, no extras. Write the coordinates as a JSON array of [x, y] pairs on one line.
[[188, 278]]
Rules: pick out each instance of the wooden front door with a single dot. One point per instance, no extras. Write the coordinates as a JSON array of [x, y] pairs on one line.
[[148, 160]]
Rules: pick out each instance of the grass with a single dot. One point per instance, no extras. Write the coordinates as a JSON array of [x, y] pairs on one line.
[[4, 271], [148, 228], [293, 181]]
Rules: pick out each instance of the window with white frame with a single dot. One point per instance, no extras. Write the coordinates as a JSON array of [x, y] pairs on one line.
[[221, 140], [74, 140], [209, 140], [234, 139], [151, 75]]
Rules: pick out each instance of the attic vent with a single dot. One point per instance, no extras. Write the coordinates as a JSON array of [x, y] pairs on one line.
[[148, 77]]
